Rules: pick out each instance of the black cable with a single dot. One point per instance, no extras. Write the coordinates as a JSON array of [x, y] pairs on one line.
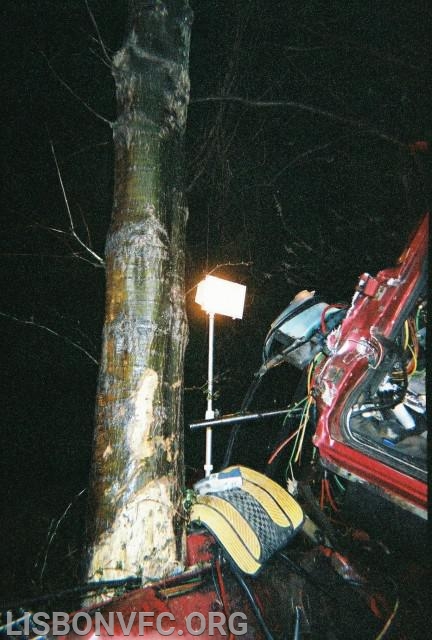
[[300, 571], [214, 579], [252, 602], [284, 317], [297, 627], [130, 583], [244, 407], [268, 364], [397, 398], [324, 588]]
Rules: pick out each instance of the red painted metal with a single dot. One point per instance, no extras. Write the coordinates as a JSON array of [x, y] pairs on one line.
[[199, 548], [151, 605], [185, 605], [377, 310]]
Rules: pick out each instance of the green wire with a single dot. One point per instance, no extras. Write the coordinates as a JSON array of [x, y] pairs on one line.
[[295, 441], [294, 409], [417, 317], [339, 483]]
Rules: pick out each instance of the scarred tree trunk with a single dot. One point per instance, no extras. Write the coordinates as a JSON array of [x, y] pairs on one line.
[[136, 525]]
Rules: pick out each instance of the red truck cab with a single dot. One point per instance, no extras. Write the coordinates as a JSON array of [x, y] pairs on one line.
[[370, 391]]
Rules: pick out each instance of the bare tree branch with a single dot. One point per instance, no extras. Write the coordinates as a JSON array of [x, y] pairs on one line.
[[52, 332], [303, 155], [72, 225], [99, 37], [358, 124], [72, 92], [53, 532]]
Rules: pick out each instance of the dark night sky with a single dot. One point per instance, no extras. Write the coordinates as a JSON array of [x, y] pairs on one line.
[[301, 199]]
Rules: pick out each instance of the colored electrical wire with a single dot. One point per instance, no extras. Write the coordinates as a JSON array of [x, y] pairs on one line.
[[412, 366], [406, 335], [309, 377], [329, 495], [339, 483], [376, 343], [294, 409], [281, 446], [311, 370], [326, 495], [322, 495], [386, 627], [410, 344], [417, 317], [302, 429]]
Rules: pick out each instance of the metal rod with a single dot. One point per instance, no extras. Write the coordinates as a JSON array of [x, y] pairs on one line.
[[210, 412], [238, 417]]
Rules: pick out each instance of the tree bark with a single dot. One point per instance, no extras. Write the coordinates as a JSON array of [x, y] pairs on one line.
[[137, 476]]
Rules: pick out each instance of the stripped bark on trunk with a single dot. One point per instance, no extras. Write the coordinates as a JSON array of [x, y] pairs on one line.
[[137, 477]]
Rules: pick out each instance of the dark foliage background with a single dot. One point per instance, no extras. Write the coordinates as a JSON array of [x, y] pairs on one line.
[[306, 194]]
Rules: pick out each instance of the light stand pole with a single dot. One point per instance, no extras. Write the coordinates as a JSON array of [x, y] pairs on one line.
[[216, 295], [210, 414]]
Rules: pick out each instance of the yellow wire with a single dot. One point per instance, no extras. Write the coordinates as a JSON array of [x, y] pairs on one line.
[[309, 376], [311, 369], [406, 336], [303, 424], [389, 621], [298, 442], [414, 359]]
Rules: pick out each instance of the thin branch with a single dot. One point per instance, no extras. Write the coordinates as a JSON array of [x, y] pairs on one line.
[[54, 256], [100, 58], [84, 221], [86, 149], [71, 222], [230, 264], [52, 332], [303, 155], [219, 266], [54, 532], [76, 96], [99, 37], [358, 124], [203, 387], [78, 256], [67, 236]]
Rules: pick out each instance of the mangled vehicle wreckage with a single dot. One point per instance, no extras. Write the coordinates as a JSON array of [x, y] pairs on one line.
[[363, 391], [264, 556]]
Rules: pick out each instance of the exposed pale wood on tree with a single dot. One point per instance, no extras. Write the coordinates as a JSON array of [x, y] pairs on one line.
[[138, 456]]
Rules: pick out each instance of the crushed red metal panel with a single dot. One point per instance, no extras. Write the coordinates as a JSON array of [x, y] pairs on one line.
[[199, 548], [375, 313], [187, 605]]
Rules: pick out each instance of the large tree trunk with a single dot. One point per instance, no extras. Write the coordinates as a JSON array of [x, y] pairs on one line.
[[138, 458]]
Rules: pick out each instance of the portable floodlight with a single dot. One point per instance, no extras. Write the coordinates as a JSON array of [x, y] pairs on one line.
[[216, 295]]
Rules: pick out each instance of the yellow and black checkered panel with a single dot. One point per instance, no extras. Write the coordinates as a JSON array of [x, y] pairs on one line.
[[251, 523]]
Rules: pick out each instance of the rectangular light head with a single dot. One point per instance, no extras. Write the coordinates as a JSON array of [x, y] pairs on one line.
[[216, 295]]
